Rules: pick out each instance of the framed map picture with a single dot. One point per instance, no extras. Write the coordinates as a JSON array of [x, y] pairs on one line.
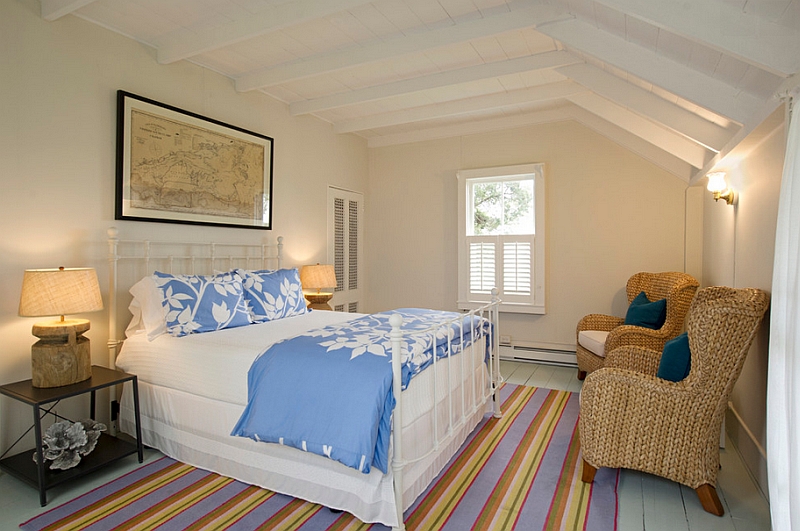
[[179, 167]]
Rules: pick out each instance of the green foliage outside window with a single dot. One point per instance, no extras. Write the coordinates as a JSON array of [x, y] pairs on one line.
[[503, 207]]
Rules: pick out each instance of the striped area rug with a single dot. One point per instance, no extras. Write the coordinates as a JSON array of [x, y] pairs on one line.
[[518, 472]]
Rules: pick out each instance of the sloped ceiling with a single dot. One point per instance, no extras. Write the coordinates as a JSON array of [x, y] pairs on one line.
[[679, 82]]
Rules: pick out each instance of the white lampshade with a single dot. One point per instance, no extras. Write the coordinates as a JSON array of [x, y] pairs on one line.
[[59, 292], [716, 181], [318, 276]]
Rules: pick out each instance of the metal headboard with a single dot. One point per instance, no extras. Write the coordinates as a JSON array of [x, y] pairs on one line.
[[135, 259]]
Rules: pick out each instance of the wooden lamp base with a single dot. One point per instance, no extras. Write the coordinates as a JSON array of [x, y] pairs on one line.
[[62, 355], [319, 301]]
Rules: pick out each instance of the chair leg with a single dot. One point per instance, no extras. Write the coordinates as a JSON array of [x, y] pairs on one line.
[[581, 375], [709, 499], [587, 475]]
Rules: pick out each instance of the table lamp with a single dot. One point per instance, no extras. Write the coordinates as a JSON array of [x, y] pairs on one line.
[[317, 277], [62, 355]]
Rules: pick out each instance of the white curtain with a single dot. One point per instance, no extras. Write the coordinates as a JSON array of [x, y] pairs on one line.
[[783, 389]]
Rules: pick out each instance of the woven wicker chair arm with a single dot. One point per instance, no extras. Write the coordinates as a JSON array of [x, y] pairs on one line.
[[638, 359], [636, 335], [599, 321]]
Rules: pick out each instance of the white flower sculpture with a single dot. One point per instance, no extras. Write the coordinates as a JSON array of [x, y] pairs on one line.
[[65, 442]]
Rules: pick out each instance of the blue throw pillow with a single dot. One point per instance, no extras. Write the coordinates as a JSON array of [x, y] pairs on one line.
[[676, 359], [273, 295], [195, 303], [647, 314]]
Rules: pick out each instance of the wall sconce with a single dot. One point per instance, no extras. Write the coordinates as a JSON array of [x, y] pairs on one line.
[[720, 189], [317, 277], [62, 355]]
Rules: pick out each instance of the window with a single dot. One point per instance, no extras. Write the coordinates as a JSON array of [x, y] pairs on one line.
[[501, 237]]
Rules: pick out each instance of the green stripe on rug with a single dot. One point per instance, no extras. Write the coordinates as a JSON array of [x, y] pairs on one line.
[[521, 471]]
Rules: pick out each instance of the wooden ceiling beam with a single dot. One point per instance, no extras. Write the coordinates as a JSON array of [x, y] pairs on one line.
[[55, 9], [673, 143], [385, 49], [725, 27], [649, 105], [537, 94], [452, 77], [683, 81]]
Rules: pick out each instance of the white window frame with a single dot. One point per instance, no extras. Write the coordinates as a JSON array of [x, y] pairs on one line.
[[533, 303]]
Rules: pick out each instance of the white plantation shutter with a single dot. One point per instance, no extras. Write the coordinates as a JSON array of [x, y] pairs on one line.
[[345, 209], [482, 261], [517, 272], [512, 263]]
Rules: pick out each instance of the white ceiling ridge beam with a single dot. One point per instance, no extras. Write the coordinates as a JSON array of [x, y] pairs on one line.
[[55, 9], [467, 74], [183, 43], [469, 128], [725, 27], [379, 50], [633, 143], [665, 139], [540, 93], [639, 100], [683, 81]]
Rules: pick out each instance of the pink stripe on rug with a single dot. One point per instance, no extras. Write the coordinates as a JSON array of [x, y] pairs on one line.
[[518, 472]]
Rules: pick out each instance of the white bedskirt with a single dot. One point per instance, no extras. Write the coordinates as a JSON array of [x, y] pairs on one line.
[[194, 429]]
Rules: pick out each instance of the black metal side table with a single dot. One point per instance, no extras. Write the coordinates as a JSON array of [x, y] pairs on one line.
[[108, 449]]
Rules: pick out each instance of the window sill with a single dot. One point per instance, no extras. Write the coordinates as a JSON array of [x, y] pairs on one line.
[[506, 307]]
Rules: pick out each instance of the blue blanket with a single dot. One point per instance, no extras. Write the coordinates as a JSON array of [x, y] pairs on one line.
[[329, 391]]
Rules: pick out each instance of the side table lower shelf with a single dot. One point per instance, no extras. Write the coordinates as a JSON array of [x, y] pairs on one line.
[[108, 449]]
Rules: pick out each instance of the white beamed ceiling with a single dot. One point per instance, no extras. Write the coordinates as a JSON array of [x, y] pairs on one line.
[[679, 82]]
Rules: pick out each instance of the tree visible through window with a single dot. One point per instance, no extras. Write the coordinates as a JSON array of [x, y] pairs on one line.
[[501, 210], [503, 207]]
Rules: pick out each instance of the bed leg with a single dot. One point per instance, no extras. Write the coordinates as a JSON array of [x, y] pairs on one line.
[[496, 404]]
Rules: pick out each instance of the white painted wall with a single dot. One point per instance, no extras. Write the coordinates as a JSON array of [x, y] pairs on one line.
[[610, 213], [58, 84], [739, 245]]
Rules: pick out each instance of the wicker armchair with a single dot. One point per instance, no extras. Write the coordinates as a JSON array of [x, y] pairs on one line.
[[629, 418], [678, 288]]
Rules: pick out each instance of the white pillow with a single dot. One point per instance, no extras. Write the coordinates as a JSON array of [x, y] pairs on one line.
[[136, 324], [148, 303]]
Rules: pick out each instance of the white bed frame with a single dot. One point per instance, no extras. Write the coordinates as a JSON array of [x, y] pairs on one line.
[[204, 258]]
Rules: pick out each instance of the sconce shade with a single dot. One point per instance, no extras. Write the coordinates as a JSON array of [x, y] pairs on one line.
[[318, 276], [720, 189], [716, 182], [62, 356], [59, 292]]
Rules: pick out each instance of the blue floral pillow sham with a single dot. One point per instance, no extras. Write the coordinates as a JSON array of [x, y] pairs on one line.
[[273, 294], [198, 303]]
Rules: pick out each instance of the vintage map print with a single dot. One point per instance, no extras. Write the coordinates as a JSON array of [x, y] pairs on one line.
[[177, 167], [180, 167]]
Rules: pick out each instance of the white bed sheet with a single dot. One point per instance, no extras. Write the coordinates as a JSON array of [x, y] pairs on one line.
[[193, 390]]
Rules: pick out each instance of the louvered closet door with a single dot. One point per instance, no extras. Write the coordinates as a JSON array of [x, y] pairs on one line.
[[345, 212]]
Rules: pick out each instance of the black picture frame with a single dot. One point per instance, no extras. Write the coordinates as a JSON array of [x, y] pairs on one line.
[[176, 166]]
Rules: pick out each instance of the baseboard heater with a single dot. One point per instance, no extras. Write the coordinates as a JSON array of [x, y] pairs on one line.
[[539, 354]]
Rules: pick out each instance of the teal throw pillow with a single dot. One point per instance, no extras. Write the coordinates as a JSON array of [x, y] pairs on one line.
[[647, 314], [676, 359]]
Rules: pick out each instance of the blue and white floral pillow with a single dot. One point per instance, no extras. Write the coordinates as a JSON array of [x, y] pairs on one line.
[[195, 303], [272, 295]]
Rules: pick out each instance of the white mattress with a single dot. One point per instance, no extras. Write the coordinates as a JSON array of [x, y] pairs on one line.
[[193, 390]]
